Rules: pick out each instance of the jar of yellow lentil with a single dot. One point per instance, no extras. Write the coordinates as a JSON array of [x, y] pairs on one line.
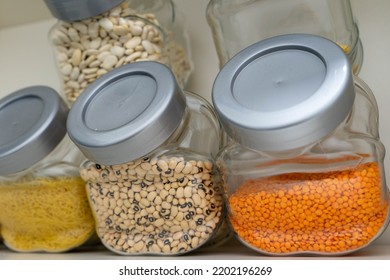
[[150, 174], [43, 203], [303, 172], [93, 37], [236, 24]]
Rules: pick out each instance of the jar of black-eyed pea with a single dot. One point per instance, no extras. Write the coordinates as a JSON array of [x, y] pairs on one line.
[[151, 177], [93, 37]]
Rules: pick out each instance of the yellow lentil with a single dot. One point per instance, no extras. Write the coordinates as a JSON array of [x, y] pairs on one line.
[[45, 214], [332, 212]]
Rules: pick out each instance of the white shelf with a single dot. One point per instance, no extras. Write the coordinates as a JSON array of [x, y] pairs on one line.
[[26, 59], [232, 250]]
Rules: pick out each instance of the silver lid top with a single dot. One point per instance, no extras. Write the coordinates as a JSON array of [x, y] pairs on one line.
[[32, 124], [72, 10], [285, 92], [126, 113]]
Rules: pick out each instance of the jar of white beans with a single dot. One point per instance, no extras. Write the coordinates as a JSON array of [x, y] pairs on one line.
[[93, 37]]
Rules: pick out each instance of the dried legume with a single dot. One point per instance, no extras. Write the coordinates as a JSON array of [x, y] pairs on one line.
[[165, 205], [333, 212], [87, 49], [45, 214]]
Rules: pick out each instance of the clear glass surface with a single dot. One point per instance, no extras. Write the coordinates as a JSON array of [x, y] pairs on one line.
[[236, 24]]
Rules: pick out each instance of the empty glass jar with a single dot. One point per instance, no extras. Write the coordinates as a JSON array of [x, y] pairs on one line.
[[304, 171], [151, 175], [236, 24], [93, 37]]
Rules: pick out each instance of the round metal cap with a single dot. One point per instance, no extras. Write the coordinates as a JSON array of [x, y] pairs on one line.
[[72, 10], [126, 113], [32, 124], [285, 92]]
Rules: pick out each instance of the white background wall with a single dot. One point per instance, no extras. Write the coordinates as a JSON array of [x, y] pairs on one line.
[[26, 58]]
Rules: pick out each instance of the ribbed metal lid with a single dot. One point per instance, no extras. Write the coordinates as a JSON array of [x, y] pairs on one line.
[[127, 113], [72, 10], [32, 124], [285, 92]]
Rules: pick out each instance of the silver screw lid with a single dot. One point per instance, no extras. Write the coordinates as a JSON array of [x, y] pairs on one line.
[[285, 92], [126, 113], [32, 124], [72, 10]]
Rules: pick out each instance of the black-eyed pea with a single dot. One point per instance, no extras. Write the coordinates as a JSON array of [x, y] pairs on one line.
[[106, 202], [163, 165], [158, 200], [192, 224], [183, 181], [179, 167], [155, 248], [172, 191], [145, 202], [204, 203], [166, 205], [151, 209], [187, 168], [177, 235], [197, 199], [163, 194], [180, 215], [149, 228], [195, 169], [194, 242], [182, 246], [172, 164], [146, 166], [187, 191], [139, 246], [208, 165], [117, 210], [169, 199], [159, 222], [143, 193], [123, 195], [174, 244], [166, 249], [180, 192]]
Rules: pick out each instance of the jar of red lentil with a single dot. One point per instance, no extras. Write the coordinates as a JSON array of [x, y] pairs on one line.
[[93, 37], [150, 174], [43, 202], [236, 24], [303, 173]]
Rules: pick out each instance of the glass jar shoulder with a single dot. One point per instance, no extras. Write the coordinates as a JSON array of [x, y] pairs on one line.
[[63, 161], [202, 133], [333, 153], [364, 117]]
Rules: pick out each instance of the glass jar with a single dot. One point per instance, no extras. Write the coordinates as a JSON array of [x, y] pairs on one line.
[[303, 172], [91, 39], [43, 203], [151, 175], [236, 24]]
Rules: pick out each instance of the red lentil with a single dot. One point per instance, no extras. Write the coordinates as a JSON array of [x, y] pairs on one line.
[[333, 212]]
